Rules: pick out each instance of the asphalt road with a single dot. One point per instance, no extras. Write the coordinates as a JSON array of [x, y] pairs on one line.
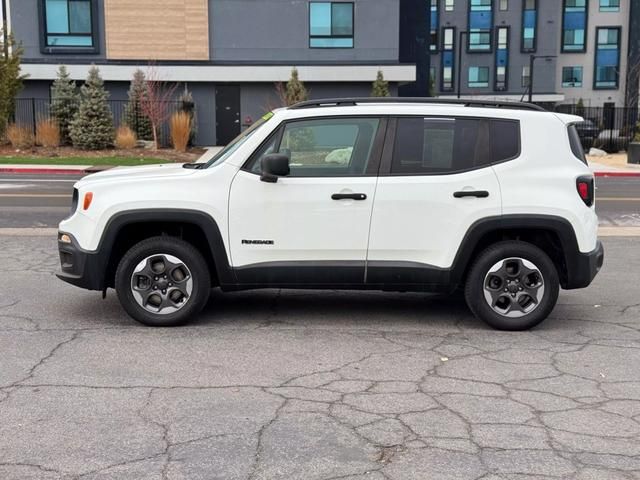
[[315, 385], [39, 201]]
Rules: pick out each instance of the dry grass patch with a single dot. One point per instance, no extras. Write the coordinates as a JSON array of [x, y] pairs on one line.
[[19, 136], [125, 138], [48, 133]]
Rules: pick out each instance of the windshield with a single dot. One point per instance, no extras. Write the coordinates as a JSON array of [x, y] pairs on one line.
[[237, 142]]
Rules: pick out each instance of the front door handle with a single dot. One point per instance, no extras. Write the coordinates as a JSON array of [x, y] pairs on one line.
[[471, 193], [348, 196]]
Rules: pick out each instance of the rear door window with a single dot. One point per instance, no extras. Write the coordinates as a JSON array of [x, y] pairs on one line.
[[443, 145]]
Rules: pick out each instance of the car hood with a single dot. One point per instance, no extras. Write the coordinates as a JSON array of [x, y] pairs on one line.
[[141, 173]]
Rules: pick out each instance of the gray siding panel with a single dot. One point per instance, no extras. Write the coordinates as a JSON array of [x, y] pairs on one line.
[[278, 31]]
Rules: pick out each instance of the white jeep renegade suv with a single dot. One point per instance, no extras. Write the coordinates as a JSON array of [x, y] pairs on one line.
[[376, 194]]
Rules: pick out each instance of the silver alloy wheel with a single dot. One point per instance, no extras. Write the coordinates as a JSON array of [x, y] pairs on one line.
[[513, 287], [161, 284]]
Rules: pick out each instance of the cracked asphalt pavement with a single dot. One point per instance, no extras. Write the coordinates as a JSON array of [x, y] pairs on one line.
[[315, 385]]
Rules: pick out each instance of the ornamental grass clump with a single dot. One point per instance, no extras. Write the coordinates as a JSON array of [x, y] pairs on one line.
[[125, 138], [19, 136], [180, 130], [47, 133]]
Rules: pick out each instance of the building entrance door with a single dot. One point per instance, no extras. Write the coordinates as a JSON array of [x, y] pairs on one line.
[[227, 113]]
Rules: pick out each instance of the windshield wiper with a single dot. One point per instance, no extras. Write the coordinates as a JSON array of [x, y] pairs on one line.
[[194, 166]]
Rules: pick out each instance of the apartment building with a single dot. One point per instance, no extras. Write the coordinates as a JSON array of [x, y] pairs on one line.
[[229, 53], [579, 49]]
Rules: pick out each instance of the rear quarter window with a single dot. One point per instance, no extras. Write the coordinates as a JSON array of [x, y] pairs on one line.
[[576, 143], [505, 140]]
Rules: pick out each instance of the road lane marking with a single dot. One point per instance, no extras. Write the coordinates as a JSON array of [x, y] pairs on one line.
[[35, 195], [617, 199]]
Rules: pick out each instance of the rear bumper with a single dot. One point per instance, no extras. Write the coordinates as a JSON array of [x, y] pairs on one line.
[[583, 267], [79, 267]]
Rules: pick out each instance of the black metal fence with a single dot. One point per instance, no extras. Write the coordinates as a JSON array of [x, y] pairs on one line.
[[608, 128], [30, 110]]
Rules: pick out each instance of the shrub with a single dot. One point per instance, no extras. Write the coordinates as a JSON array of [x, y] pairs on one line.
[[180, 130], [92, 127], [125, 138], [47, 133], [19, 136], [64, 102]]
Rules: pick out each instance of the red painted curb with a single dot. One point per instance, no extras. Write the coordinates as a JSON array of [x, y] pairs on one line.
[[617, 174], [42, 171]]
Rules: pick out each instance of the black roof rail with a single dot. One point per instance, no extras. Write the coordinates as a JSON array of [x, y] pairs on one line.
[[342, 102]]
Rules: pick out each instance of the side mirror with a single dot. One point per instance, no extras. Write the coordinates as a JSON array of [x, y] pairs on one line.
[[273, 166]]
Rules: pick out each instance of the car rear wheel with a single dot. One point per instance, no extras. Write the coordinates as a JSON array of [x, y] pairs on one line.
[[162, 282], [512, 285]]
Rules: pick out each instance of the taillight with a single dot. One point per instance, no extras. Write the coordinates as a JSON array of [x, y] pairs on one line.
[[585, 186]]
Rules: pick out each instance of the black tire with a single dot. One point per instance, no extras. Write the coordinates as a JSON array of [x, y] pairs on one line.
[[190, 257], [475, 285]]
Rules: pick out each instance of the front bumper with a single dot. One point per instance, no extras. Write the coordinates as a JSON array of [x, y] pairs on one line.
[[583, 267], [79, 267]]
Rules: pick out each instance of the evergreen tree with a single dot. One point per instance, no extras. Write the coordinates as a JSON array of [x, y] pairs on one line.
[[295, 91], [64, 102], [92, 128], [10, 78], [135, 119], [380, 86]]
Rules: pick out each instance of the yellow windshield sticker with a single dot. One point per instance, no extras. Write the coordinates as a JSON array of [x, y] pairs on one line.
[[267, 116]]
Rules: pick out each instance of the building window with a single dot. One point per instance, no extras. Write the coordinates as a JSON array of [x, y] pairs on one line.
[[574, 26], [68, 25], [607, 65], [529, 25], [448, 5], [331, 24], [504, 5], [526, 76], [448, 58], [502, 59], [480, 23], [609, 5], [478, 77], [433, 46], [571, 76]]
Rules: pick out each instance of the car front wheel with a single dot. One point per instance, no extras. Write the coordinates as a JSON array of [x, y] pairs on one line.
[[162, 281], [512, 285]]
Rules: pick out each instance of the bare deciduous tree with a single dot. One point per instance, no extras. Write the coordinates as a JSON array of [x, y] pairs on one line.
[[156, 101]]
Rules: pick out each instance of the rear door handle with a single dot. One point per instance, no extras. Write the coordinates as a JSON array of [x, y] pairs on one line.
[[348, 196], [471, 193]]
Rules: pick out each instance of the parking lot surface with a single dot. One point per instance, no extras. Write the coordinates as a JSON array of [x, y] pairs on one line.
[[315, 385]]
